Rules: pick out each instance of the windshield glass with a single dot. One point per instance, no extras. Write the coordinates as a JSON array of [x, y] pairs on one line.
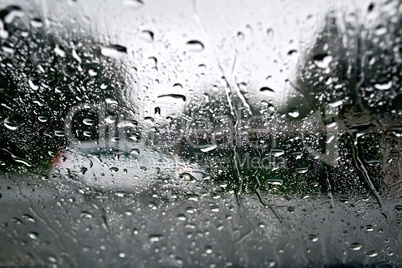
[[200, 133]]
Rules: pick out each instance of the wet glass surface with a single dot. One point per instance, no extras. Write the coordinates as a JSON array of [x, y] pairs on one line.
[[200, 133]]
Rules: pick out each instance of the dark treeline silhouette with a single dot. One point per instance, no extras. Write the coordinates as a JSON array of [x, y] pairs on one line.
[[43, 75]]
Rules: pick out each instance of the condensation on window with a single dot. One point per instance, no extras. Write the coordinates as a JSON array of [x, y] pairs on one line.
[[200, 133]]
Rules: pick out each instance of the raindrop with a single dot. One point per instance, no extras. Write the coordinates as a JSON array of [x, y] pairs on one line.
[[370, 7], [177, 86], [270, 33], [52, 259], [380, 30], [33, 235], [195, 46], [293, 113], [191, 210], [291, 209], [86, 214], [276, 152], [371, 253], [36, 23], [134, 152], [297, 155], [147, 36], [12, 12], [313, 237], [127, 123], [214, 208], [8, 49], [383, 86], [122, 255], [275, 181], [153, 62], [59, 133], [113, 169], [59, 51], [181, 217], [208, 148], [335, 103], [369, 228], [155, 238], [88, 121], [28, 217], [134, 3], [322, 60], [32, 85], [92, 72], [344, 199], [267, 91], [355, 246], [42, 118], [373, 162], [10, 124], [175, 96], [302, 170], [114, 51]]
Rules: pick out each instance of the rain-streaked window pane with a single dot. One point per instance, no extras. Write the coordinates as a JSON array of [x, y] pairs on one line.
[[197, 133]]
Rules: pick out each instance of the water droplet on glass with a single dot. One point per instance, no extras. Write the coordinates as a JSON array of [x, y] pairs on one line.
[[293, 113], [355, 246], [114, 51], [28, 218], [381, 30], [275, 181], [195, 46], [86, 214], [322, 60], [135, 4], [383, 86], [147, 36], [270, 33], [369, 228], [127, 123], [33, 235], [174, 96], [10, 124], [371, 253], [215, 208], [113, 169], [59, 51], [208, 148], [181, 217], [267, 91], [302, 170], [208, 249], [88, 121], [276, 152], [42, 118], [313, 237], [36, 23], [52, 259], [155, 238], [12, 12], [335, 103]]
